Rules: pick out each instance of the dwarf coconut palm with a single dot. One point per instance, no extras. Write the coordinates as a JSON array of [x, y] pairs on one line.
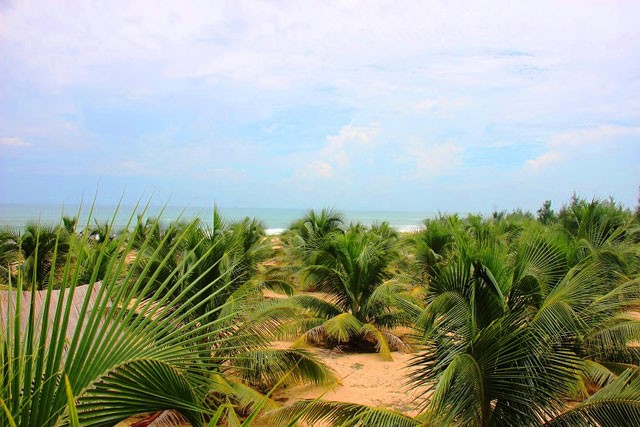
[[511, 332], [361, 306], [430, 246], [31, 250]]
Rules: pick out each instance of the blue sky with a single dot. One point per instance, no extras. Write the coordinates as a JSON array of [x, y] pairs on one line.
[[358, 105]]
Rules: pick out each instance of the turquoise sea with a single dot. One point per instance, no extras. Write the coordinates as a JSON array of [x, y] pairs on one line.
[[275, 220]]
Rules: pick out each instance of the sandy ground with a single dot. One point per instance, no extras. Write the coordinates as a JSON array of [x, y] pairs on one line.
[[365, 378]]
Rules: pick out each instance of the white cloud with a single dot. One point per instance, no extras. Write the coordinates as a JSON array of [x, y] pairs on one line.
[[576, 143], [273, 127], [14, 142], [269, 45], [544, 160], [335, 157], [349, 141], [596, 135], [234, 71], [353, 134], [433, 160], [316, 169]]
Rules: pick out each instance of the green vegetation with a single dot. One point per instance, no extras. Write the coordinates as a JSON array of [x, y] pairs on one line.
[[516, 320], [360, 307]]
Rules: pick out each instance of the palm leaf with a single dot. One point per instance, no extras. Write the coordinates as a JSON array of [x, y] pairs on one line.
[[342, 327], [317, 412], [121, 354], [267, 367], [616, 404], [382, 346]]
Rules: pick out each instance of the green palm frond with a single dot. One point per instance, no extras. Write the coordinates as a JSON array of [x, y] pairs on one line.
[[558, 314], [597, 374], [248, 399], [458, 393], [316, 306], [625, 296], [342, 327], [264, 368], [613, 340], [73, 411], [150, 336], [143, 386], [449, 311], [318, 412], [382, 345], [542, 258], [616, 404], [391, 295]]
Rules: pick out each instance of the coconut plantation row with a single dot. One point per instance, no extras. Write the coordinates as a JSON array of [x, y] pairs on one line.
[[515, 319]]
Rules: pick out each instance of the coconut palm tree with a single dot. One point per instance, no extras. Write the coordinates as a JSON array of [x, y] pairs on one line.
[[518, 322], [298, 243], [305, 234], [69, 223], [315, 225], [430, 246], [33, 250], [9, 250], [514, 328], [221, 253], [361, 306]]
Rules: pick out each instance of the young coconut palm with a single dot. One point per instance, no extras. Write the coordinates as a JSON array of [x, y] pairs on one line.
[[508, 334], [361, 306], [314, 226], [429, 248], [509, 349], [31, 251]]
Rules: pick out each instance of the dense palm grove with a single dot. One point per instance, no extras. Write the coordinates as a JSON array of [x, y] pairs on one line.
[[515, 319]]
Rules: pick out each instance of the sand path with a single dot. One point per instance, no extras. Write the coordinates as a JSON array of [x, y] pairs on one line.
[[365, 378]]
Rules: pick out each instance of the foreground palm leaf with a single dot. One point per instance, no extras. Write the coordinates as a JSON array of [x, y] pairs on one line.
[[121, 355]]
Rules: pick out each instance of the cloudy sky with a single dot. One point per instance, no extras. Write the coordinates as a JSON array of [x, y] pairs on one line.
[[398, 105]]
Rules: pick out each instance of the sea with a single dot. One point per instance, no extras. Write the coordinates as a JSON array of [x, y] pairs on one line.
[[276, 220]]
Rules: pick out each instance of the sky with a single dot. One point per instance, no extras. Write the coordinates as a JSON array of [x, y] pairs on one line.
[[378, 105]]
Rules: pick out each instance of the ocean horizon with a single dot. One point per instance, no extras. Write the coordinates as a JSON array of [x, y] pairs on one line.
[[276, 220]]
